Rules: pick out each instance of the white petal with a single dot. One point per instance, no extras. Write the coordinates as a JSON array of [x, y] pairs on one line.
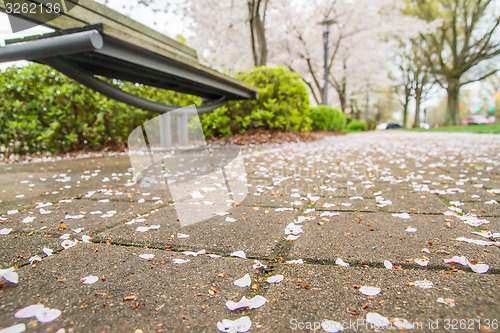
[[221, 213], [182, 236], [9, 275], [331, 326], [295, 262], [239, 254], [28, 311], [214, 256], [146, 256], [402, 215], [34, 258], [275, 279], [47, 315], [5, 231], [89, 279], [142, 229], [179, 261], [424, 284], [86, 239], [457, 260], [243, 303], [239, 325], [48, 252], [377, 320], [14, 329], [291, 238], [479, 268], [257, 302], [257, 264], [370, 291], [422, 262], [68, 243], [341, 262], [244, 281], [448, 301], [230, 219], [411, 230], [403, 324], [388, 264]]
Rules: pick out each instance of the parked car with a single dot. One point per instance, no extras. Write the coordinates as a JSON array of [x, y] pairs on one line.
[[477, 120], [393, 126]]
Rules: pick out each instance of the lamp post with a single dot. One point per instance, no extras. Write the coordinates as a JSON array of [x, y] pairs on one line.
[[326, 31]]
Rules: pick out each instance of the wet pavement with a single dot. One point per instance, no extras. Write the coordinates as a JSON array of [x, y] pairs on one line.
[[326, 219]]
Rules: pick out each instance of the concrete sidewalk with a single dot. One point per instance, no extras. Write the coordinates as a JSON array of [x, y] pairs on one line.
[[411, 199]]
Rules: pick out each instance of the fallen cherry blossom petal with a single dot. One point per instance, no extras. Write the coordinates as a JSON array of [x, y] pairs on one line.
[[89, 279], [290, 238], [240, 325], [422, 262], [5, 231], [147, 256], [275, 279], [214, 256], [447, 301], [239, 254], [295, 262], [179, 235], [86, 239], [142, 229], [388, 264], [9, 275], [402, 215], [194, 254], [331, 326], [479, 268], [370, 291], [257, 264], [180, 261], [402, 324], [424, 284], [46, 315], [231, 219], [377, 320], [68, 243], [29, 311], [243, 303], [244, 281], [457, 260], [19, 328], [411, 230], [222, 213], [341, 262], [34, 258], [28, 219], [48, 252]]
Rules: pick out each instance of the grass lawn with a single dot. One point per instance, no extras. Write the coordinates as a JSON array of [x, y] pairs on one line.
[[484, 129]]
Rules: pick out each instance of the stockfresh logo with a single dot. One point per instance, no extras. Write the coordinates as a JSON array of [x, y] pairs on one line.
[[169, 153], [26, 14]]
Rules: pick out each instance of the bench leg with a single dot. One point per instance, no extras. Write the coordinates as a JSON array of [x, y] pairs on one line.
[[165, 131]]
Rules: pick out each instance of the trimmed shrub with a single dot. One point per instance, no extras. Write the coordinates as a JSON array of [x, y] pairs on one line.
[[372, 124], [283, 104], [357, 126], [327, 118], [44, 111]]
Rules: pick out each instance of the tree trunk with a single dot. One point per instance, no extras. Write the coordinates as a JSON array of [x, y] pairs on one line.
[[452, 110], [405, 115], [418, 99], [258, 32]]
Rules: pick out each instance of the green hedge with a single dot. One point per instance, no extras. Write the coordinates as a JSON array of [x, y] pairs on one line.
[[356, 126], [44, 111], [283, 104], [327, 118]]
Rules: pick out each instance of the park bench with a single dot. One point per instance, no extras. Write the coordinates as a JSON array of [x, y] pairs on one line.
[[92, 40]]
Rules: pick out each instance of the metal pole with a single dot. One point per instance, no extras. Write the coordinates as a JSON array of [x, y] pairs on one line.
[[165, 131], [182, 123], [367, 108], [325, 89]]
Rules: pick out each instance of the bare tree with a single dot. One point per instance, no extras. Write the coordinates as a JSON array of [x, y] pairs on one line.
[[463, 48]]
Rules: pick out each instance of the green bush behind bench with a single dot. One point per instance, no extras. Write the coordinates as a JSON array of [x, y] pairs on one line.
[[43, 111], [326, 118]]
